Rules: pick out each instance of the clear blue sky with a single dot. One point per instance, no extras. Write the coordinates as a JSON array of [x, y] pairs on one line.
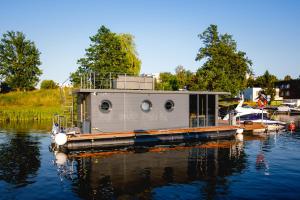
[[165, 31]]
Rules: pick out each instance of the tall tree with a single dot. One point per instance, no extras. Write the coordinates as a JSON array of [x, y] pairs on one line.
[[109, 52], [251, 82], [167, 81], [225, 67], [287, 78], [267, 83], [184, 77], [19, 61]]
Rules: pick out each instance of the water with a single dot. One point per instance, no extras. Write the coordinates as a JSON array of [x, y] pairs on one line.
[[258, 168]]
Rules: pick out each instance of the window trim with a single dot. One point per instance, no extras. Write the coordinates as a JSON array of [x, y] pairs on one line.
[[173, 105], [148, 102], [109, 108]]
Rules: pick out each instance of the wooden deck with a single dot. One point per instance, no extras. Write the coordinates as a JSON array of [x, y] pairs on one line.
[[199, 130], [251, 127], [147, 137]]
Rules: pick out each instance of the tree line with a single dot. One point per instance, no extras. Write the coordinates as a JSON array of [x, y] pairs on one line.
[[224, 68]]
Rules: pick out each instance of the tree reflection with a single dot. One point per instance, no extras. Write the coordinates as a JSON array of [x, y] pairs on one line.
[[19, 159]]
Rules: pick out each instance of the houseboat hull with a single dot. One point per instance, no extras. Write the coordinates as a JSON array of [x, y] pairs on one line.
[[146, 138]]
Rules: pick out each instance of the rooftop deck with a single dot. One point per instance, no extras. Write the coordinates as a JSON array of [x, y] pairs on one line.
[[147, 91]]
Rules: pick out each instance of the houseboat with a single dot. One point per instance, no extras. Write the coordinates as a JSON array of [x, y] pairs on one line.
[[132, 112]]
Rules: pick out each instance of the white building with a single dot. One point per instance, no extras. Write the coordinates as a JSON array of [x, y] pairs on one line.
[[251, 94]]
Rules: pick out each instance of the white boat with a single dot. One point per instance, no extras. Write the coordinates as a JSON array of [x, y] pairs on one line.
[[283, 109], [295, 110], [249, 114]]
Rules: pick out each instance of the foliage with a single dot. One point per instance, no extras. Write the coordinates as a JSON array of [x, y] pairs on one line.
[[184, 77], [19, 61], [167, 81], [49, 84], [108, 52], [4, 87], [267, 83], [251, 82], [31, 99], [287, 78], [37, 104], [225, 67]]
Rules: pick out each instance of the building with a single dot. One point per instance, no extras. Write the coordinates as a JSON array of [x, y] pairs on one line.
[[251, 94], [112, 110], [289, 91]]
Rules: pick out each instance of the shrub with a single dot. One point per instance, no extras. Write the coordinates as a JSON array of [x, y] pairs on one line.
[[49, 84]]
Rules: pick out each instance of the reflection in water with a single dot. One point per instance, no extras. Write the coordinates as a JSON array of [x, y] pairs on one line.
[[136, 174], [19, 159], [26, 126], [262, 164]]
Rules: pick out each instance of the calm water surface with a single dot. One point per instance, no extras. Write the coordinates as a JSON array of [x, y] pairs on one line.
[[258, 168]]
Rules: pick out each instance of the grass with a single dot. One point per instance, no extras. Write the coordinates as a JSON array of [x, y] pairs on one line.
[[32, 105]]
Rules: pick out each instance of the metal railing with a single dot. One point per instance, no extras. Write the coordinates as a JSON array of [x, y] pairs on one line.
[[112, 80]]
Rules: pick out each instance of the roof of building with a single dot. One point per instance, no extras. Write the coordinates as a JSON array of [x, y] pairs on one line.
[[147, 91]]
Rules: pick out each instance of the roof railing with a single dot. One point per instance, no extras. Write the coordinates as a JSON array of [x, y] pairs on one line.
[[111, 80]]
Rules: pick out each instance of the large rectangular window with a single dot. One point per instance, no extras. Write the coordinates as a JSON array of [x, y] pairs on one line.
[[211, 110], [193, 110], [202, 110]]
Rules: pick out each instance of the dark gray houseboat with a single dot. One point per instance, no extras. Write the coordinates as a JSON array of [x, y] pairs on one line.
[[132, 112]]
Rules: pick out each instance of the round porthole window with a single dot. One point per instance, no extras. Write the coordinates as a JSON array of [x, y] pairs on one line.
[[169, 105], [146, 105], [105, 106]]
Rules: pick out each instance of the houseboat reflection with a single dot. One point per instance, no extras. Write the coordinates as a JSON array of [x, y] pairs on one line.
[[121, 174]]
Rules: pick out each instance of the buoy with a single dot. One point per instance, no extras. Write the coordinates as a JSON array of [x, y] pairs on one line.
[[60, 139], [60, 158], [239, 131], [239, 134], [292, 126]]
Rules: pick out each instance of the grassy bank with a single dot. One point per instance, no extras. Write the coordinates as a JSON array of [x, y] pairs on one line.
[[32, 105]]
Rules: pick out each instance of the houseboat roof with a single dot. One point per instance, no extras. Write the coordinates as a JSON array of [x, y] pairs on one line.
[[147, 91]]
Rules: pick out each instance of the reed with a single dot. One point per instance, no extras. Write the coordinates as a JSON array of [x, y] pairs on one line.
[[30, 106]]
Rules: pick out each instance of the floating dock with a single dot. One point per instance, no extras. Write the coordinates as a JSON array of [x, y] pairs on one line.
[[108, 140], [139, 138]]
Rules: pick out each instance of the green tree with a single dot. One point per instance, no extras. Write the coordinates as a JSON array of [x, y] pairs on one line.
[[184, 77], [267, 83], [225, 67], [109, 52], [19, 61], [251, 82], [287, 78], [180, 74], [49, 84], [167, 81]]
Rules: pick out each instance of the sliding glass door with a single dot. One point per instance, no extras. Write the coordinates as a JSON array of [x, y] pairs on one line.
[[202, 110]]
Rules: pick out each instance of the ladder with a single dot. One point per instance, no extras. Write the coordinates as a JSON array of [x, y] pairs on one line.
[[67, 102]]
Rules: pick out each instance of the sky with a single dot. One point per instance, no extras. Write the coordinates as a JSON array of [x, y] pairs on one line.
[[165, 31]]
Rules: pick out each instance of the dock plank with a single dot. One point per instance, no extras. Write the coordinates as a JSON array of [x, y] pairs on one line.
[[104, 135]]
